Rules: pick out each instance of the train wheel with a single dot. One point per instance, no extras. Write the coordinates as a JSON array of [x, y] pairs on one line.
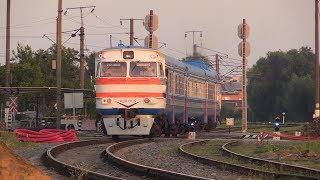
[[183, 129], [115, 137], [174, 130], [70, 126], [207, 127], [102, 128], [156, 130]]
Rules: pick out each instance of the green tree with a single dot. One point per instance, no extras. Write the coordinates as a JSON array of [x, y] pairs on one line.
[[299, 99], [33, 68], [228, 110], [269, 84]]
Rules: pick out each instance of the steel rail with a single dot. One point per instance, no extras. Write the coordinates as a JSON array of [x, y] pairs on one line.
[[49, 159], [143, 169], [238, 168], [310, 172]]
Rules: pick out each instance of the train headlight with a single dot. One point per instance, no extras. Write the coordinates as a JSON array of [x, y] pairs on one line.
[[153, 56], [146, 100]]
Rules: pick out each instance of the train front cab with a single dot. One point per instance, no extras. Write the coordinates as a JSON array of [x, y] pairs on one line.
[[130, 90]]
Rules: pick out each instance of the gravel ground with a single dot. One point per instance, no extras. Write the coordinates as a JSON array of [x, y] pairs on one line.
[[163, 153], [33, 155], [214, 134], [88, 157]]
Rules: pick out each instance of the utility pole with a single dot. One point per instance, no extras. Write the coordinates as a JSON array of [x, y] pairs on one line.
[[244, 82], [244, 51], [81, 41], [217, 64], [81, 53], [193, 40], [317, 40], [7, 83], [131, 32], [59, 49], [131, 28]]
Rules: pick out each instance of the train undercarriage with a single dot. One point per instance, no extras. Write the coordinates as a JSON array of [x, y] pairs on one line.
[[150, 125]]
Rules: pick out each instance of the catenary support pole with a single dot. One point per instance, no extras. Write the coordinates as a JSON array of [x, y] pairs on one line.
[[59, 52], [7, 83], [317, 40]]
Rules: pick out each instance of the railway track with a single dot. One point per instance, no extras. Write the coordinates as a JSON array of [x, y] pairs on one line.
[[284, 171], [160, 159], [82, 160]]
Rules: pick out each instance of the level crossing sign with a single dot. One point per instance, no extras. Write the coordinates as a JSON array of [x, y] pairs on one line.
[[13, 105]]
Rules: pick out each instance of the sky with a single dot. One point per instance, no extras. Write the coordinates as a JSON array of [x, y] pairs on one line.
[[274, 24]]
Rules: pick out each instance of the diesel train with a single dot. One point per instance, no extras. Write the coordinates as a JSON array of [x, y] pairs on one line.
[[141, 91]]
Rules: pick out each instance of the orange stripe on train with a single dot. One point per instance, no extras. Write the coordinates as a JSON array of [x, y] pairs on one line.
[[129, 94], [102, 81]]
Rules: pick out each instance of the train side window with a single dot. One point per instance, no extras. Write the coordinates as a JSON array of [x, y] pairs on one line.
[[177, 84], [182, 85], [210, 91], [169, 82]]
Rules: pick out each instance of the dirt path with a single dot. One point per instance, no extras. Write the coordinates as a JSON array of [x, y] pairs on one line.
[[14, 167]]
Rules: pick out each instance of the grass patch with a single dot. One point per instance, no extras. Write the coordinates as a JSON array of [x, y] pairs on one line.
[[270, 128], [212, 150], [11, 140], [304, 153]]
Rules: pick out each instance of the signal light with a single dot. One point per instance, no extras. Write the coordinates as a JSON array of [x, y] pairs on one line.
[[277, 126]]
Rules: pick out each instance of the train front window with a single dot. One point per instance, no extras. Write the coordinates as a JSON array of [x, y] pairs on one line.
[[143, 69], [113, 69]]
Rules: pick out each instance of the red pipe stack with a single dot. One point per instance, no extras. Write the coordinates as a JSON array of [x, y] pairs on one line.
[[46, 135]]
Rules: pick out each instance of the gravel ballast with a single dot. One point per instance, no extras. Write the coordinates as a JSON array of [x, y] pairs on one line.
[[163, 154], [88, 157], [33, 155]]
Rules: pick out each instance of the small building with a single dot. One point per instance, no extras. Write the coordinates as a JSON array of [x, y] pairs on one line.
[[231, 91]]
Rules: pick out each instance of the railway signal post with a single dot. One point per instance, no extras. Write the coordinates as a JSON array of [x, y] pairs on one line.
[[317, 40], [244, 51], [151, 24], [58, 71]]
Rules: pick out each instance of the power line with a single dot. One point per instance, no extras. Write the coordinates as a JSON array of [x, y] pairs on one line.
[[28, 24], [22, 36], [106, 22], [219, 52], [31, 24], [86, 45]]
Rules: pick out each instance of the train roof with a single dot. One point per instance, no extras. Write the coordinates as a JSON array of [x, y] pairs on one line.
[[129, 47], [193, 66]]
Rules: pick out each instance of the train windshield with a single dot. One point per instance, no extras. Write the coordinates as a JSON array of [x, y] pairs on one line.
[[143, 69], [113, 69]]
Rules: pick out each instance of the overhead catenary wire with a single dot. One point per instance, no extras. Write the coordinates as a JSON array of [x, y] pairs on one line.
[[31, 24], [106, 22], [212, 50]]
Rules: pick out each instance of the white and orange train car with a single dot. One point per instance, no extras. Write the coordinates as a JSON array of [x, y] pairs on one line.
[[143, 92]]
